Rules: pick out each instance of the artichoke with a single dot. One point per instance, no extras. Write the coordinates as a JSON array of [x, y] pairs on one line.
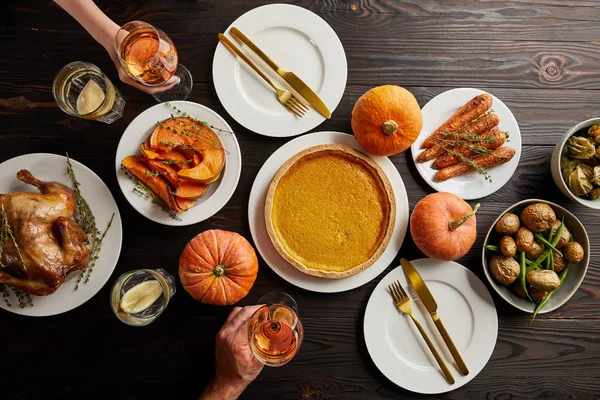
[[594, 194], [596, 176], [580, 147], [580, 180], [594, 133]]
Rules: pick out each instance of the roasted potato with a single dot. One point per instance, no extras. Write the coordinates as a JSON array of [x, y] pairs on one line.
[[538, 295], [538, 217], [573, 252], [543, 279], [559, 262], [535, 250], [508, 224], [508, 248], [504, 269], [524, 239]]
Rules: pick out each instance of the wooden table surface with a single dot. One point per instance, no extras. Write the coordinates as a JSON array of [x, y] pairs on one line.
[[541, 57]]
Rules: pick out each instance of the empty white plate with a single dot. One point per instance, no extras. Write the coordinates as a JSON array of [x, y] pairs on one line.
[[297, 40], [464, 305]]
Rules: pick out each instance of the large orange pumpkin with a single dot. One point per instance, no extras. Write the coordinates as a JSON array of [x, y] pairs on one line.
[[218, 267], [443, 226], [386, 120]]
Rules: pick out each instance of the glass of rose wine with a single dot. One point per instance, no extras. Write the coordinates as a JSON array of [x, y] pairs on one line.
[[275, 332], [149, 56]]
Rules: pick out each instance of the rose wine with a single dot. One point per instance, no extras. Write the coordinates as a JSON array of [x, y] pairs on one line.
[[147, 57]]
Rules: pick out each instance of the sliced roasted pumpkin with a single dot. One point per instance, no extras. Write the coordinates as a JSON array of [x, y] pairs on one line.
[[169, 172], [183, 132], [190, 190], [212, 163], [184, 204], [136, 165]]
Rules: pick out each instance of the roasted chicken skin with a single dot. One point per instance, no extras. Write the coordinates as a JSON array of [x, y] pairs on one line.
[[51, 242]]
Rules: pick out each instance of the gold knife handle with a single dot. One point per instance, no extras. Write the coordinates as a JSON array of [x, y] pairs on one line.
[[453, 350], [236, 32], [241, 54], [439, 360]]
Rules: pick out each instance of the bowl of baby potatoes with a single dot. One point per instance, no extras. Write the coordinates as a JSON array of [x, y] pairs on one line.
[[535, 255]]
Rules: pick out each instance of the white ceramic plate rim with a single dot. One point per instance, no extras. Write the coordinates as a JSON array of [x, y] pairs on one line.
[[52, 167], [256, 206], [472, 185], [282, 123], [478, 351], [218, 193]]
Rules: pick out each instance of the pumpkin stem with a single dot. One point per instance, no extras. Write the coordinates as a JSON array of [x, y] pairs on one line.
[[219, 270], [455, 223], [390, 127]]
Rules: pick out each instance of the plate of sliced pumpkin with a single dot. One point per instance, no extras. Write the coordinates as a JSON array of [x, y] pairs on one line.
[[178, 163]]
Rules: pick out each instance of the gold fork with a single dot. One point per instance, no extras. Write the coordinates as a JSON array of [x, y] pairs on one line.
[[402, 303], [285, 97]]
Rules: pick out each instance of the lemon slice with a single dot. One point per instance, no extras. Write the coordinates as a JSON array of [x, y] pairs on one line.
[[90, 98], [141, 296]]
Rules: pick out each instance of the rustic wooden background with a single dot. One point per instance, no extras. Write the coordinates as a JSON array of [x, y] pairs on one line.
[[541, 57]]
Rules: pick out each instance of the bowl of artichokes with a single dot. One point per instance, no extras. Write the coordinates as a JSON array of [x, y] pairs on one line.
[[576, 163]]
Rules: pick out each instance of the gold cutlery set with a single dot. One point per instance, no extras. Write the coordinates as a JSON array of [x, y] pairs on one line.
[[285, 97], [403, 304]]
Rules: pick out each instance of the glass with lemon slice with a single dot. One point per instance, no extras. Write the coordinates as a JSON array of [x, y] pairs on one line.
[[82, 90], [139, 297]]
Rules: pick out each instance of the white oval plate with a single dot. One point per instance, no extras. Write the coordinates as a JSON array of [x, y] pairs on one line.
[[466, 309], [297, 40], [256, 216], [472, 185], [52, 167], [218, 193]]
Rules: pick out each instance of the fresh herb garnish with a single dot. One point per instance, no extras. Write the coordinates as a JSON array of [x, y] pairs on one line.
[[144, 191]]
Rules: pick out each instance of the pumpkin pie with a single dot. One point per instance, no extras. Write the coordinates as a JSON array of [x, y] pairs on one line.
[[330, 211]]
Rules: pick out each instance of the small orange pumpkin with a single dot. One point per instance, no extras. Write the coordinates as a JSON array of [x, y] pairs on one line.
[[443, 226], [218, 267], [386, 120]]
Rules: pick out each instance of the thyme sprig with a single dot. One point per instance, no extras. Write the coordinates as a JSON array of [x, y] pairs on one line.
[[144, 191], [155, 173], [87, 271], [23, 298], [468, 161], [5, 294], [83, 214], [179, 146], [6, 235], [175, 162]]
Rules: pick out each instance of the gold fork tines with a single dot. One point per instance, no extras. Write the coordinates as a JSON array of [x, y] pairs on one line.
[[403, 304], [284, 96]]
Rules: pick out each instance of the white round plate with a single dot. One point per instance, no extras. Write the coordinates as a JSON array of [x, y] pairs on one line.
[[52, 167], [297, 40], [472, 185], [256, 216], [464, 306], [218, 193]]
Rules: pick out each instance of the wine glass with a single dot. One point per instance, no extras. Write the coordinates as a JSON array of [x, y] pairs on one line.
[[274, 331], [149, 56]]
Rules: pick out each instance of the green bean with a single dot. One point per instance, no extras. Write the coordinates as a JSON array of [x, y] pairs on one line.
[[551, 258], [559, 233], [528, 262], [491, 247], [523, 274], [538, 261], [542, 303], [546, 243], [550, 236]]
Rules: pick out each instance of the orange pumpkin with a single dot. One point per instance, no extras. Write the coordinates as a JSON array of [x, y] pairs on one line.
[[443, 226], [218, 267], [386, 120]]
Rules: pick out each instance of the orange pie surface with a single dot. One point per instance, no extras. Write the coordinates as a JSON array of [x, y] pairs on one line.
[[330, 211]]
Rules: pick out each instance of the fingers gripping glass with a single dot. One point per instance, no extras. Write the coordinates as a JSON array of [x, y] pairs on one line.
[[274, 331], [149, 56]]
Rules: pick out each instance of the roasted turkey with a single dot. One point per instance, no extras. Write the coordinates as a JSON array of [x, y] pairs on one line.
[[51, 242]]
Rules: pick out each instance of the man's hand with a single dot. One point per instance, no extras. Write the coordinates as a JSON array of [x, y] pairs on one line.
[[236, 364]]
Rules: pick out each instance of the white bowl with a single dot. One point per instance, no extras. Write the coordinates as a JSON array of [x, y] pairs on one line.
[[576, 273], [555, 165]]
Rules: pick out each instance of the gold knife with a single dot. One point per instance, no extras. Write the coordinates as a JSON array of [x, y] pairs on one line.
[[292, 79], [431, 306]]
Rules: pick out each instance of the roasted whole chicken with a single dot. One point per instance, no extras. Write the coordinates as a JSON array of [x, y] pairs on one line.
[[51, 242]]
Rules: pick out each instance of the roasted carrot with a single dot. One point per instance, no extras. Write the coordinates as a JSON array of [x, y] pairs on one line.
[[489, 140], [474, 108], [499, 156], [484, 124]]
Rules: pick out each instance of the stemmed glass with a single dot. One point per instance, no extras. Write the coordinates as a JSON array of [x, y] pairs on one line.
[[149, 56], [275, 332]]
